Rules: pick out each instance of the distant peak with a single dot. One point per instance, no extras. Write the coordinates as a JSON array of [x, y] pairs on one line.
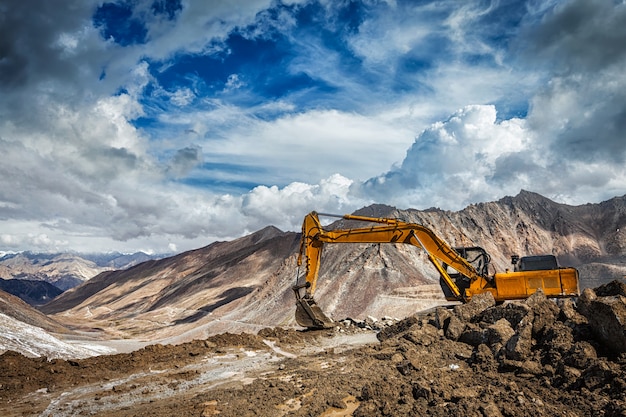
[[526, 197], [530, 194], [266, 233], [376, 210]]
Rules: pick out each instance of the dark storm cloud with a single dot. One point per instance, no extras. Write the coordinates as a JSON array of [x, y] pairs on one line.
[[32, 43], [582, 43], [509, 167], [580, 36]]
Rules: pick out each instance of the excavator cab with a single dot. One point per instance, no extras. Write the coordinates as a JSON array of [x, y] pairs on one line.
[[537, 263], [475, 256]]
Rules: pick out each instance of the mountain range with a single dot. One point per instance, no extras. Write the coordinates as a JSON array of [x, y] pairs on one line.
[[245, 284], [38, 277], [65, 270]]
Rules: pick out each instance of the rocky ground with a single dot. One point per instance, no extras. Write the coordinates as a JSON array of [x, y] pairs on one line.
[[531, 358]]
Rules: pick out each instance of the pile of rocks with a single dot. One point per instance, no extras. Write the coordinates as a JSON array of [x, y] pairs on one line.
[[370, 323], [568, 354]]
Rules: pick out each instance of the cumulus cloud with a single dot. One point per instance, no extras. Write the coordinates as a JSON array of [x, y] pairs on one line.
[[453, 163], [284, 206], [474, 157]]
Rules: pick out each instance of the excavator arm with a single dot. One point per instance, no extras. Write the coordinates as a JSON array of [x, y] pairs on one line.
[[440, 254]]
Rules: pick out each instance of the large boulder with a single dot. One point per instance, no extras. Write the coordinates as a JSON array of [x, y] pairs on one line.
[[606, 316], [514, 313], [476, 305], [545, 312], [614, 287], [519, 346], [569, 314], [498, 334]]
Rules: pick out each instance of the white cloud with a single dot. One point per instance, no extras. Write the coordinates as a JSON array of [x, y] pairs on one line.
[[182, 97], [386, 36], [285, 207], [301, 146], [188, 217], [473, 157], [452, 163], [198, 24], [233, 82]]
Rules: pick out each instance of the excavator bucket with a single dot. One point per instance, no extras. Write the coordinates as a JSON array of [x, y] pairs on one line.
[[308, 314]]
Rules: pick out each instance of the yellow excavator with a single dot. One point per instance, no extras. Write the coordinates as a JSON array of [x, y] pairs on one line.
[[464, 271]]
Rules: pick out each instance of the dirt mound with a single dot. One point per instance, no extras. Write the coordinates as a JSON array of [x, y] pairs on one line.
[[20, 374]]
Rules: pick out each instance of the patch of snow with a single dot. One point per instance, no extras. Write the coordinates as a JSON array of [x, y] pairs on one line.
[[35, 342]]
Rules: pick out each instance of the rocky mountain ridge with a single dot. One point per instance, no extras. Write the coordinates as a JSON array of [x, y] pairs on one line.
[[590, 237], [65, 270]]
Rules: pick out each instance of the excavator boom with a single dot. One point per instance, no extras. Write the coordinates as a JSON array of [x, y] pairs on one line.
[[308, 313]]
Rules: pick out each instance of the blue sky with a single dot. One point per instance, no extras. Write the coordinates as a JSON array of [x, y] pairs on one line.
[[165, 125]]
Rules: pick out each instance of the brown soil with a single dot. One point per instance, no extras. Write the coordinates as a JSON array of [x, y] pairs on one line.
[[532, 358]]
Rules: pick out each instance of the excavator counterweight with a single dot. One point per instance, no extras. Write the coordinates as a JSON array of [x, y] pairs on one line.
[[469, 273]]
